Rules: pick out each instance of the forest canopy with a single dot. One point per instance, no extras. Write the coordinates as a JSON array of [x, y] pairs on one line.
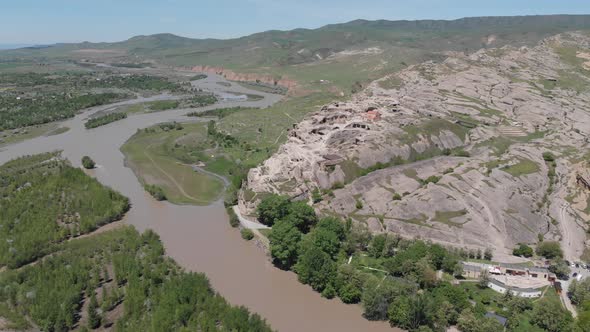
[[44, 201]]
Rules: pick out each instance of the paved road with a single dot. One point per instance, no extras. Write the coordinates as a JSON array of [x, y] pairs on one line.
[[248, 223], [585, 273]]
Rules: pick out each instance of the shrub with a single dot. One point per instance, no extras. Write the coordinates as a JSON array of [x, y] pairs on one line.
[[449, 170], [104, 120], [233, 218], [337, 185], [523, 250], [462, 153], [430, 179], [272, 208], [548, 156], [359, 205], [247, 234], [156, 192], [397, 197], [88, 163], [549, 249], [316, 195]]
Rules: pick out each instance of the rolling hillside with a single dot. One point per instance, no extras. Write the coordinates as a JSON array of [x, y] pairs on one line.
[[372, 48]]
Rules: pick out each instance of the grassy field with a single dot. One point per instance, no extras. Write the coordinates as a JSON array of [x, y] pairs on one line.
[[14, 136], [259, 132], [151, 155], [160, 157], [523, 167], [148, 107]]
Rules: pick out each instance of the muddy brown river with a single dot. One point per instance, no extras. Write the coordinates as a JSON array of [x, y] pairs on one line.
[[199, 238]]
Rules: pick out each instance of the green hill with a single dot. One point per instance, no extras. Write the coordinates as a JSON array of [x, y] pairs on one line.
[[298, 53]]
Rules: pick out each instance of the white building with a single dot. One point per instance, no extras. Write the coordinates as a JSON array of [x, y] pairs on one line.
[[500, 287]]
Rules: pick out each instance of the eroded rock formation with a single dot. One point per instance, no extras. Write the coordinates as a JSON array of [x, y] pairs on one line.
[[451, 151]]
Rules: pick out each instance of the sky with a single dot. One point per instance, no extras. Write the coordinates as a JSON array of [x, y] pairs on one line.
[[51, 21]]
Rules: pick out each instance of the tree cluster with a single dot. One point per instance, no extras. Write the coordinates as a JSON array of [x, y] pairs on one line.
[[88, 163], [44, 201], [523, 250], [156, 191], [33, 111], [402, 287], [152, 291], [104, 120]]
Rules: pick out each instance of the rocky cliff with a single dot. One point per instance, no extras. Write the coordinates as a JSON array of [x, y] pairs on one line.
[[246, 77], [455, 152]]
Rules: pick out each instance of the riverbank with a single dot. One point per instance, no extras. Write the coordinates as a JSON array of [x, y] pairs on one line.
[[199, 238]]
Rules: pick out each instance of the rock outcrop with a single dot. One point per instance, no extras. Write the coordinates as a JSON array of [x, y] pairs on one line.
[[246, 77], [450, 151]]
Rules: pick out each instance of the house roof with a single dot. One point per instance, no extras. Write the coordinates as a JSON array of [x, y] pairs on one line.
[[514, 288], [500, 319], [473, 268], [525, 268]]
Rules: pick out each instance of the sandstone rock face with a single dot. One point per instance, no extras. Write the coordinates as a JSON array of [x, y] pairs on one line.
[[479, 124], [245, 77]]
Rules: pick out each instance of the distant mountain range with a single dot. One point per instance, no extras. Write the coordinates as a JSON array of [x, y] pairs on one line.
[[432, 34], [13, 46], [278, 52]]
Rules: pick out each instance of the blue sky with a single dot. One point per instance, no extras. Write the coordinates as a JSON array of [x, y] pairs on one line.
[[49, 21]]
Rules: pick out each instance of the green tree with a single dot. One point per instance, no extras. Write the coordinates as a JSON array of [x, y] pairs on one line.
[[284, 244], [333, 225], [443, 296], [329, 292], [357, 238], [560, 268], [316, 268], [549, 315], [302, 216], [410, 312], [579, 291], [272, 209], [93, 316], [378, 294], [247, 234], [323, 239], [377, 245], [350, 293], [549, 249], [484, 279], [350, 283], [458, 270], [583, 321], [523, 250], [88, 163], [470, 322], [399, 312]]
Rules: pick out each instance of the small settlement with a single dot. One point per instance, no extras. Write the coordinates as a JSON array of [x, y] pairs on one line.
[[520, 280]]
